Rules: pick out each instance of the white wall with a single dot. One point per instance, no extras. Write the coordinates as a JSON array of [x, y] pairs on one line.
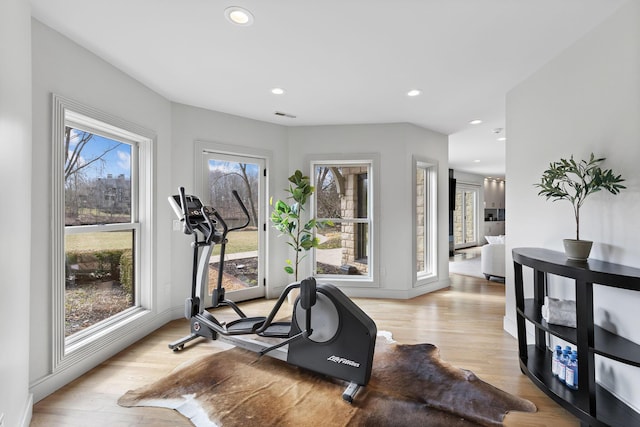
[[62, 67], [585, 100], [287, 149], [395, 144], [15, 174]]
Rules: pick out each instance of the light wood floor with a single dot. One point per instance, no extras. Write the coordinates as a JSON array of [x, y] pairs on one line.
[[464, 321]]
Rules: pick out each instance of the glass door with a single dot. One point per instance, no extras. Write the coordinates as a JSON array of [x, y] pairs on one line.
[[243, 275], [465, 217]]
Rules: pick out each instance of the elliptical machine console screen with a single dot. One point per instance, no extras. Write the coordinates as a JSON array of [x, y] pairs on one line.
[[193, 204], [193, 210]]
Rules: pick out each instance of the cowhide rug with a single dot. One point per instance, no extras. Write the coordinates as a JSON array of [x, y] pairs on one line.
[[410, 386]]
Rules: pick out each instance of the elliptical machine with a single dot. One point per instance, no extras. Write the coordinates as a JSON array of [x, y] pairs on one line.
[[328, 333]]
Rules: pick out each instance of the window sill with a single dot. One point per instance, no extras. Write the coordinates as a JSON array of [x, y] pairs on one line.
[[90, 341]]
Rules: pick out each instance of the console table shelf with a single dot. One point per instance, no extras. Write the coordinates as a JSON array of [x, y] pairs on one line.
[[591, 403], [605, 343]]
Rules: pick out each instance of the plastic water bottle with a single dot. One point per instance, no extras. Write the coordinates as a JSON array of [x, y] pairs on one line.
[[555, 361], [571, 376], [562, 365]]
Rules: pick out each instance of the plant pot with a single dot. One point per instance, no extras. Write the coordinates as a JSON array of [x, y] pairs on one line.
[[577, 250]]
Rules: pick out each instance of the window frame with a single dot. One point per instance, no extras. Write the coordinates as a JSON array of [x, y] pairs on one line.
[[67, 351], [430, 224], [372, 161], [212, 151], [475, 189]]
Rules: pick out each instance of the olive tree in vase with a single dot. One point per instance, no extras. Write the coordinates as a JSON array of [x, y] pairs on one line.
[[575, 181]]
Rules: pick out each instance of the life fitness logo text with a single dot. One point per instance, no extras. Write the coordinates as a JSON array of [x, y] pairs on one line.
[[343, 361]]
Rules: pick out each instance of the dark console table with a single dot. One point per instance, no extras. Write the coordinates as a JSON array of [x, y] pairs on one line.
[[591, 403]]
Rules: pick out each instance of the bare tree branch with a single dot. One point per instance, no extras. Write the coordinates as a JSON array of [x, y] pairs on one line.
[[72, 159]]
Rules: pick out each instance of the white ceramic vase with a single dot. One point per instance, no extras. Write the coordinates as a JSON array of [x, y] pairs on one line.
[[577, 250]]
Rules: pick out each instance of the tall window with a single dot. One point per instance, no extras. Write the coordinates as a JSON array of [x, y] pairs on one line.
[[465, 216], [362, 229], [100, 224], [343, 196], [425, 211]]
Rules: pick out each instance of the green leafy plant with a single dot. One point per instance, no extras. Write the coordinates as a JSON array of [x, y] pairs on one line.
[[287, 218], [575, 181]]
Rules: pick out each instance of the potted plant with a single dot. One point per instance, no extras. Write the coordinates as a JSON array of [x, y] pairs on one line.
[[575, 181], [287, 218]]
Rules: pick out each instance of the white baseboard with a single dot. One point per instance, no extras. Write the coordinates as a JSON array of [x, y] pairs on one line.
[[509, 325], [27, 412], [44, 386]]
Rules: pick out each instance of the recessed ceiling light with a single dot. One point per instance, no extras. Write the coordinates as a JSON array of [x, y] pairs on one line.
[[476, 161], [414, 92], [502, 138], [238, 16], [475, 122], [277, 91]]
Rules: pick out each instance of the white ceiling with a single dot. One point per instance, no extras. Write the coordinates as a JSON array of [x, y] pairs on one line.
[[340, 61]]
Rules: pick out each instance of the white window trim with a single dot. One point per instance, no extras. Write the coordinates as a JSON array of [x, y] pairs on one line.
[[65, 352], [431, 220], [373, 160]]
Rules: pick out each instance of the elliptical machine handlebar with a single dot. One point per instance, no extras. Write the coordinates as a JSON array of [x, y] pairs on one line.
[[195, 216], [185, 211], [244, 210]]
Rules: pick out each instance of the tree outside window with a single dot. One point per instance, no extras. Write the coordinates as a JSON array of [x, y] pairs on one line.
[[99, 262]]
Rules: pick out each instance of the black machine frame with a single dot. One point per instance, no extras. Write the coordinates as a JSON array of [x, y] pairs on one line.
[[328, 334]]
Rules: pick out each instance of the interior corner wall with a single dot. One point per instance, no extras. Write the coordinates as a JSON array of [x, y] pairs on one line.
[[394, 145], [15, 174], [585, 100], [63, 67]]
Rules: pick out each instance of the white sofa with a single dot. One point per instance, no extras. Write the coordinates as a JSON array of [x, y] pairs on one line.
[[492, 257]]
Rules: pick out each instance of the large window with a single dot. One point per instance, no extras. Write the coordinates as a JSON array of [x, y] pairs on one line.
[[343, 197], [425, 211], [100, 225]]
